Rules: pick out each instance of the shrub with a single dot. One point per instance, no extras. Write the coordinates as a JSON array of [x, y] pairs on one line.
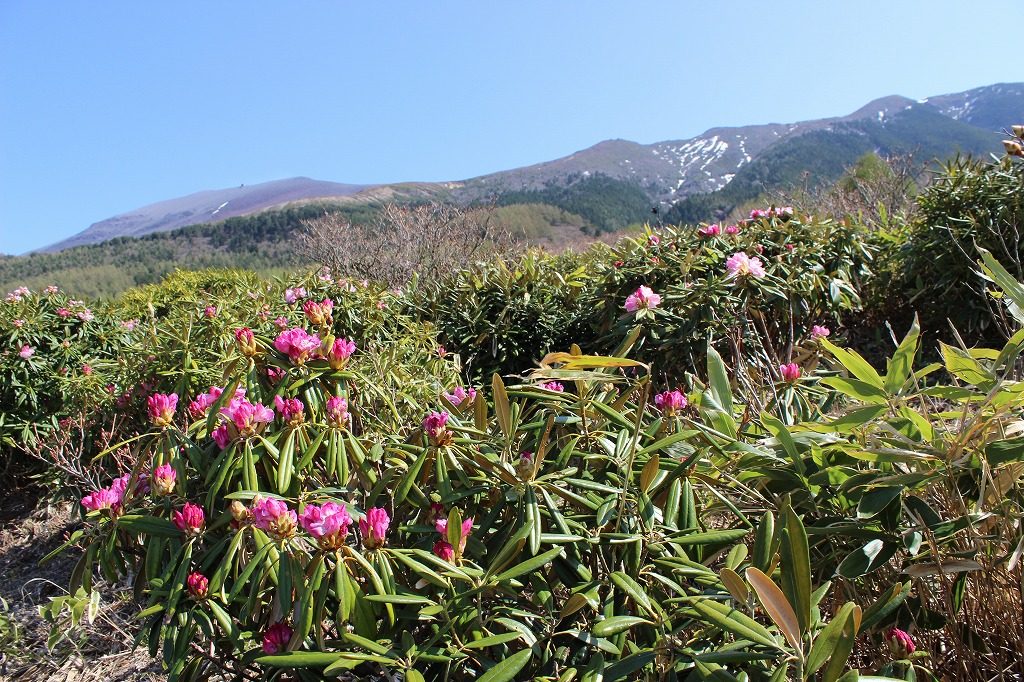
[[972, 203]]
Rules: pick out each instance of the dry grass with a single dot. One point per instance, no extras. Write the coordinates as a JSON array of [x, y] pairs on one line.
[[102, 650]]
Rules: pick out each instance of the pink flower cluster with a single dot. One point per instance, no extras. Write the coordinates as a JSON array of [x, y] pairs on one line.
[[327, 523], [819, 332], [198, 585], [293, 294], [110, 497], [274, 517], [298, 344], [790, 372], [161, 408], [670, 402], [642, 299], [443, 548], [17, 295], [341, 350], [246, 341], [292, 410], [337, 412], [374, 527], [199, 407], [434, 425], [740, 264], [26, 352], [190, 520], [553, 386], [460, 397], [783, 212], [710, 231], [276, 638], [318, 313], [163, 479], [243, 419]]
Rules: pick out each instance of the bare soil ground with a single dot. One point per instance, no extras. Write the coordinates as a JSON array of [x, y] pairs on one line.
[[101, 650]]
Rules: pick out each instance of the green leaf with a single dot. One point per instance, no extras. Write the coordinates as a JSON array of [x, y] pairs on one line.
[[733, 620], [902, 362], [617, 624], [148, 525], [501, 406], [855, 388], [868, 558], [796, 568], [531, 564], [854, 363], [300, 659], [718, 377], [828, 639], [508, 668]]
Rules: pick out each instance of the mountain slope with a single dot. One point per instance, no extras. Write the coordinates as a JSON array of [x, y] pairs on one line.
[[616, 182], [206, 207]]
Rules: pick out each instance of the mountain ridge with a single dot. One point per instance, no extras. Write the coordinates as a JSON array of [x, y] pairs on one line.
[[669, 172]]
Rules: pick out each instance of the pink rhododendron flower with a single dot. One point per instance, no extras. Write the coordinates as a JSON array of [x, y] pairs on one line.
[[291, 409], [63, 313], [129, 325], [740, 264], [26, 352], [524, 467], [190, 520], [276, 638], [434, 427], [293, 294], [790, 372], [444, 550], [211, 311], [18, 324], [297, 344], [161, 407], [790, 248], [441, 351], [246, 341], [341, 350], [275, 374], [337, 412], [281, 322], [198, 407], [642, 299], [460, 396], [618, 263], [758, 213], [274, 517], [221, 436], [374, 527], [87, 369], [52, 289], [553, 386], [670, 402], [318, 313], [327, 523], [246, 417], [198, 585], [710, 231], [110, 497], [900, 643], [732, 229], [86, 315], [163, 479], [653, 239], [818, 331], [467, 527]]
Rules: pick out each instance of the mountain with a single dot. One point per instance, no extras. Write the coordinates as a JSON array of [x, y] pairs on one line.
[[616, 182], [207, 207]]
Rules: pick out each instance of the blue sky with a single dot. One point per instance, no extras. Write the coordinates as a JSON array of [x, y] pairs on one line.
[[108, 106]]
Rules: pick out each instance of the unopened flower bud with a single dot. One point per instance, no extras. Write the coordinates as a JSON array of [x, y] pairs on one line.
[[1013, 147]]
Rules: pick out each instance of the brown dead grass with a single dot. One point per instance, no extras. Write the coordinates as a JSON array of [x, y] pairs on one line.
[[100, 651]]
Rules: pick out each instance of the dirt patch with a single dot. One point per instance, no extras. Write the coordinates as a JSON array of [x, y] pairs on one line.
[[101, 650]]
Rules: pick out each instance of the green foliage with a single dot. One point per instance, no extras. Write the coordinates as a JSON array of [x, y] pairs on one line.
[[604, 202], [971, 204]]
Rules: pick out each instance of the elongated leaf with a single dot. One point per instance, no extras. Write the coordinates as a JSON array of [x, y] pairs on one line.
[[719, 380], [733, 620], [617, 624], [501, 406], [777, 606], [508, 668], [902, 363], [796, 568], [529, 565], [828, 639], [854, 363]]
